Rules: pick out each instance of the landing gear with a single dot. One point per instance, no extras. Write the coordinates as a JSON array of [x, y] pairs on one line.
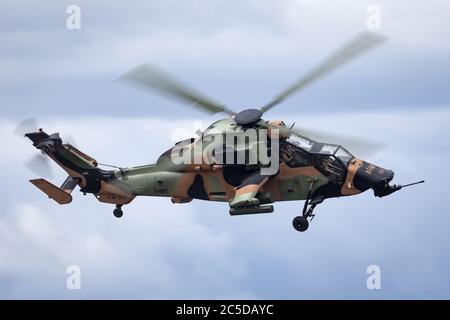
[[301, 223], [118, 211]]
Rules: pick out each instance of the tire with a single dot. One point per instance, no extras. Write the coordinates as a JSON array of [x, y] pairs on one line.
[[300, 223], [118, 213]]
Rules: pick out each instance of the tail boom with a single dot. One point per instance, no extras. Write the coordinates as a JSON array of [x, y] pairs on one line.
[[82, 170]]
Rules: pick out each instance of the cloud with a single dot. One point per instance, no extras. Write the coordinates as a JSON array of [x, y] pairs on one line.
[[242, 55], [156, 253], [160, 250], [219, 34]]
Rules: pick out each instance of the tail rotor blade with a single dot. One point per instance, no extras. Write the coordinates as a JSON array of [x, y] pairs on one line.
[[39, 164], [68, 138], [25, 126]]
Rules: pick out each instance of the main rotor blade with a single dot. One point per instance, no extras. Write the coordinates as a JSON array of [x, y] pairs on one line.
[[359, 147], [148, 77], [362, 43]]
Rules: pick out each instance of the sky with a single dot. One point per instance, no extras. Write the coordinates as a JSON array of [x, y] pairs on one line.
[[240, 53]]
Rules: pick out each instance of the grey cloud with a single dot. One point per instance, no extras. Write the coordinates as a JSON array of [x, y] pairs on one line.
[[241, 55], [198, 251]]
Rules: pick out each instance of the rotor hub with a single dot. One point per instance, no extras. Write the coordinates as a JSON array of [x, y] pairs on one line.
[[248, 116]]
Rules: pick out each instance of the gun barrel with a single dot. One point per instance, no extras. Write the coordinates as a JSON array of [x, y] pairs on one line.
[[412, 184]]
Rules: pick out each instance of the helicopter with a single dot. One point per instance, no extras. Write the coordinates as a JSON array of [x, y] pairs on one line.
[[295, 166]]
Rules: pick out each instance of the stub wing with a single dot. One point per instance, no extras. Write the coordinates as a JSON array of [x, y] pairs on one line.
[[245, 200]]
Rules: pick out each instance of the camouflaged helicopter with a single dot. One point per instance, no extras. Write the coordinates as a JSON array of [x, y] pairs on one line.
[[308, 168]]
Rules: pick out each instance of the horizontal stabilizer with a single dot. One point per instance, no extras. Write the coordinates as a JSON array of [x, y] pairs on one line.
[[52, 191]]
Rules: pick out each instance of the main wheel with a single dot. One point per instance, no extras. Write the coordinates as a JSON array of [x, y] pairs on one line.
[[118, 213], [300, 223]]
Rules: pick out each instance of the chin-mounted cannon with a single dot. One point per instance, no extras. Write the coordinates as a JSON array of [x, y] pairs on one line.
[[386, 189]]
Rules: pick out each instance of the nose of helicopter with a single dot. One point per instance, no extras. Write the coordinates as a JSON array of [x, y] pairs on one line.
[[371, 176]]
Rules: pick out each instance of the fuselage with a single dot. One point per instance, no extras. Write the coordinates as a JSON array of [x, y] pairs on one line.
[[303, 167], [327, 170]]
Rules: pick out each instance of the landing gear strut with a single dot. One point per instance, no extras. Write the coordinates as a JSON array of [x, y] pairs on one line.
[[118, 211], [301, 223]]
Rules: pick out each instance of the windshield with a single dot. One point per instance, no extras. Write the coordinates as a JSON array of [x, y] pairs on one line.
[[328, 149], [343, 154]]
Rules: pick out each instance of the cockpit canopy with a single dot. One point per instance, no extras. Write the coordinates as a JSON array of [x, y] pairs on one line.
[[309, 145], [312, 146]]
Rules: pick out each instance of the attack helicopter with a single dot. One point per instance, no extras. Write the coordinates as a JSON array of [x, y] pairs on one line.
[[308, 167]]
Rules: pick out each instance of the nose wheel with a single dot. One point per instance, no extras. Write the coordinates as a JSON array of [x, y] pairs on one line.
[[300, 223], [118, 213]]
